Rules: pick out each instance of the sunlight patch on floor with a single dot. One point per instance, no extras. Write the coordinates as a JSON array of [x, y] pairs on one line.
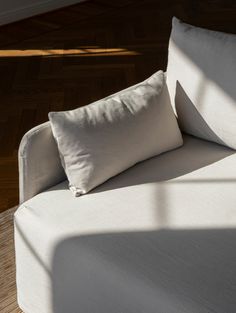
[[78, 52]]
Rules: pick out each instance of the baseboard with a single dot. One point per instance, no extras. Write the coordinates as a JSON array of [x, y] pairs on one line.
[[33, 9]]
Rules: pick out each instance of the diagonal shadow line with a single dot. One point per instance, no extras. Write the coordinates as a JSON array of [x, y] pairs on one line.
[[187, 113]]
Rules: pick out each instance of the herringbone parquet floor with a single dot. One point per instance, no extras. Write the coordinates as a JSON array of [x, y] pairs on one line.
[[70, 57]]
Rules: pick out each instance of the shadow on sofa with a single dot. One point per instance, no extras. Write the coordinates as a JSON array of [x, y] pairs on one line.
[[117, 272], [212, 70], [193, 155], [185, 107]]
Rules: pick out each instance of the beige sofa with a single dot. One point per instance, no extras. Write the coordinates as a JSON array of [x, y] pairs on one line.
[[157, 238]]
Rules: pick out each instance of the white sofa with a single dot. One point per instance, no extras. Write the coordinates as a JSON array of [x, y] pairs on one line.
[[157, 238]]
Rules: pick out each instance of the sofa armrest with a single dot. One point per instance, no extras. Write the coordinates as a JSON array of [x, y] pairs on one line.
[[39, 162]]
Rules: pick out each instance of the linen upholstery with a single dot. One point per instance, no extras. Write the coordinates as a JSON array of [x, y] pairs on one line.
[[201, 80], [39, 162], [159, 237], [104, 138]]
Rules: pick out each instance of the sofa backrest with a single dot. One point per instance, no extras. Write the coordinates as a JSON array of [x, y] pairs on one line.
[[201, 77]]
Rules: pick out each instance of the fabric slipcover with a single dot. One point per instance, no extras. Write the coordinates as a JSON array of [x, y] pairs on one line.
[[158, 238], [201, 80], [90, 138], [39, 162]]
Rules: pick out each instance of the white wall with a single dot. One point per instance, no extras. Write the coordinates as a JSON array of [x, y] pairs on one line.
[[14, 10]]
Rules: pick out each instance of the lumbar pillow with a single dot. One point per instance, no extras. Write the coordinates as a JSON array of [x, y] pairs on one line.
[[106, 137], [201, 77]]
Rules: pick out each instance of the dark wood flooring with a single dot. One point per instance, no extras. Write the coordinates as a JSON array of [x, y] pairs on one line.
[[70, 57]]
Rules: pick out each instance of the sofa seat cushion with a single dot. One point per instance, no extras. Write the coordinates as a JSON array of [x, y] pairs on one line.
[[159, 237]]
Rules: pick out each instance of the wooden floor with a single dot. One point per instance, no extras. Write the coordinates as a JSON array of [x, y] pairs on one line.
[[70, 57]]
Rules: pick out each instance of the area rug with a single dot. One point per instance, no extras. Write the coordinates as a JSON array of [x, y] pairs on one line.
[[8, 302]]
